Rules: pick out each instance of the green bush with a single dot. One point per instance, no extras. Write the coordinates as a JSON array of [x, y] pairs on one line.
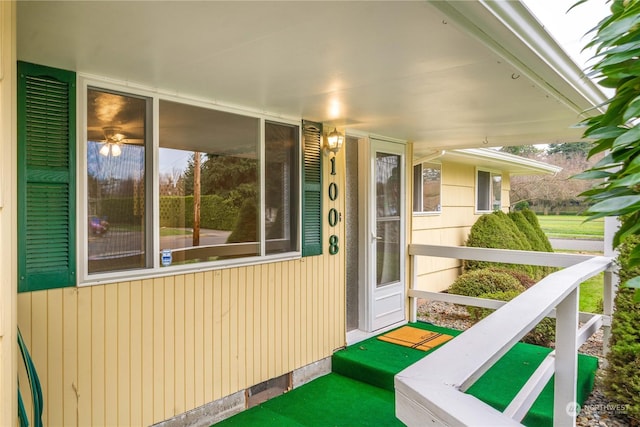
[[216, 212], [479, 282], [533, 220], [525, 280], [496, 230], [543, 333], [622, 380], [534, 238], [502, 286]]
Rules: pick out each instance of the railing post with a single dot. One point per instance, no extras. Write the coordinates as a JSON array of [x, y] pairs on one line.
[[610, 289], [566, 372], [413, 301]]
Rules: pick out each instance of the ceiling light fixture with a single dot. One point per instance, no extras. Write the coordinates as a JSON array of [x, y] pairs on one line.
[[113, 140]]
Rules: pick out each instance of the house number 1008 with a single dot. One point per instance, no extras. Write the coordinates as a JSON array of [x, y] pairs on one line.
[[334, 216]]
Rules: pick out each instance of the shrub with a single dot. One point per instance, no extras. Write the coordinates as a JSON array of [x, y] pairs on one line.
[[502, 286], [533, 220], [533, 236], [479, 282], [622, 380], [497, 231], [525, 280]]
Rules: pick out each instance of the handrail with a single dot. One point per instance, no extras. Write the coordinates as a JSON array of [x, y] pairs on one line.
[[432, 389]]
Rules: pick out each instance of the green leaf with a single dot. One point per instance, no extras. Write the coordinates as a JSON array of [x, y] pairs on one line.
[[604, 132], [615, 206], [630, 136], [592, 174], [627, 181], [633, 110], [633, 283]]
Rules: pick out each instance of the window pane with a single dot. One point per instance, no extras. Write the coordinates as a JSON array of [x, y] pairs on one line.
[[496, 187], [484, 193], [209, 187], [417, 188], [116, 134], [430, 187], [281, 193]]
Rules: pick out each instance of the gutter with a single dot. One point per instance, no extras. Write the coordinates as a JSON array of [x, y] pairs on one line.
[[510, 30]]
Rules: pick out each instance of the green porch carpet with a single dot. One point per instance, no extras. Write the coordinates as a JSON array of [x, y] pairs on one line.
[[331, 400], [360, 391]]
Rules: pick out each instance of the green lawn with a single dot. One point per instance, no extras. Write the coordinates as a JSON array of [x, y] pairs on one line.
[[591, 294], [570, 226]]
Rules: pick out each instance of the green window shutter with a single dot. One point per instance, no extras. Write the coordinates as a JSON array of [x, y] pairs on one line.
[[46, 177], [312, 189]]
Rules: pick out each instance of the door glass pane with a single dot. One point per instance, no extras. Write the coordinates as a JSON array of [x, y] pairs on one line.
[[388, 211]]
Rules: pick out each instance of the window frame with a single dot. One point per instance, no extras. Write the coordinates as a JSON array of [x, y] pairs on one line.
[[152, 174], [492, 173], [421, 212]]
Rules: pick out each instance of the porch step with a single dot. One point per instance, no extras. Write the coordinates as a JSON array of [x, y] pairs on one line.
[[376, 362], [331, 400]]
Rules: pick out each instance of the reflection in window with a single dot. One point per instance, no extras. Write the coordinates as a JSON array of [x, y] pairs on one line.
[[116, 223], [489, 191], [388, 220], [426, 187], [281, 177], [209, 188]]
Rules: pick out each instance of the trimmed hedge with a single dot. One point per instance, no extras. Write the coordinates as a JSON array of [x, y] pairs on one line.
[[533, 220], [503, 286], [496, 230], [485, 281], [216, 213], [622, 380]]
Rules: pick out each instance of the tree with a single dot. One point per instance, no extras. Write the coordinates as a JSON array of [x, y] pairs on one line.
[[521, 150], [616, 132], [554, 193], [570, 149]]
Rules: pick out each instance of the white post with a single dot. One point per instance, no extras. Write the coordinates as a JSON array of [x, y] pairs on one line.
[[566, 372], [611, 226], [413, 301]]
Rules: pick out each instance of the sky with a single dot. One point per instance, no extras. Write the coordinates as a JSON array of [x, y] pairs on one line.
[[569, 28]]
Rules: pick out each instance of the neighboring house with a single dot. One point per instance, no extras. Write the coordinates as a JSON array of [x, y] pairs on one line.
[[135, 307], [451, 188]]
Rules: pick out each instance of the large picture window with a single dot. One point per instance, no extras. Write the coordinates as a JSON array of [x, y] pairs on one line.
[[488, 191], [427, 179], [219, 186]]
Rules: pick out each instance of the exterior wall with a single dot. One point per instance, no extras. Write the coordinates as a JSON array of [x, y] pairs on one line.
[[140, 352], [8, 262], [451, 226]]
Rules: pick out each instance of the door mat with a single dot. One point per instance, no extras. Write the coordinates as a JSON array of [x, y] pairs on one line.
[[420, 339]]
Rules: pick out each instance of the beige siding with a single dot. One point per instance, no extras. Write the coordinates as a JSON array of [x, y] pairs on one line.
[[451, 226], [8, 261], [143, 351]]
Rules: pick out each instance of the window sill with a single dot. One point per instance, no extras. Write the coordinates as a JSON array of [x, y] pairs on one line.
[[154, 273]]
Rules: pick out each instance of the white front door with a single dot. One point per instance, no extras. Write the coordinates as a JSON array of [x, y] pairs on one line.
[[386, 223]]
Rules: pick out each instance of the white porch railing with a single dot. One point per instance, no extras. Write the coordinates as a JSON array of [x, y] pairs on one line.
[[431, 391]]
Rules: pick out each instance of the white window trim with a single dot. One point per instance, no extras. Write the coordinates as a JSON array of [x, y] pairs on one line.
[[83, 277], [428, 213], [492, 172]]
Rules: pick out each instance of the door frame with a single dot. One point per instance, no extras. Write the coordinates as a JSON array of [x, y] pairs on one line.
[[367, 211]]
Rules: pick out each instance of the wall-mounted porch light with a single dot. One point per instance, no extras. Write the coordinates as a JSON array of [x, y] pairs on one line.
[[334, 141]]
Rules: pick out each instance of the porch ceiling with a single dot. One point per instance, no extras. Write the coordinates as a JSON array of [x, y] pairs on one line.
[[443, 75]]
